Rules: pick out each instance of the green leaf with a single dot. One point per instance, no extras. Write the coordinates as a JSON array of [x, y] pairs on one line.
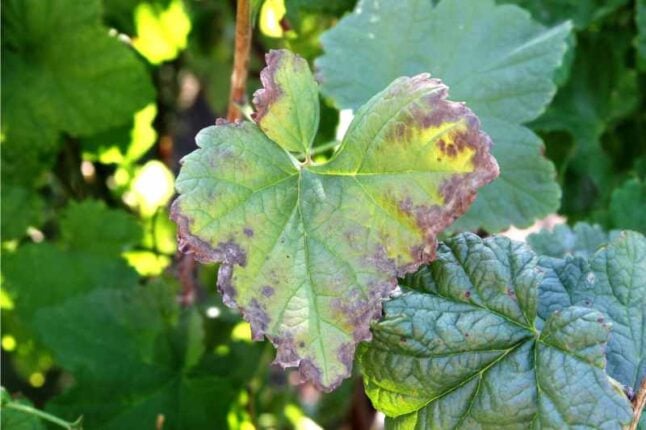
[[640, 21], [461, 350], [581, 12], [495, 58], [136, 361], [92, 228], [599, 94], [59, 57], [628, 205], [613, 281], [309, 251], [581, 240], [287, 108], [13, 419], [20, 209]]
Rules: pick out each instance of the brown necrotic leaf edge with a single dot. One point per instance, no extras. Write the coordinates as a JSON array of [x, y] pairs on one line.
[[459, 192], [270, 91]]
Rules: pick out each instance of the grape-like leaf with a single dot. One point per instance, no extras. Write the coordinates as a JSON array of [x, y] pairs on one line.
[[612, 281], [461, 349], [495, 58], [309, 251]]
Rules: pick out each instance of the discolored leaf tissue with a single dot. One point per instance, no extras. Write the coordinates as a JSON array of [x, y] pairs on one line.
[[309, 251]]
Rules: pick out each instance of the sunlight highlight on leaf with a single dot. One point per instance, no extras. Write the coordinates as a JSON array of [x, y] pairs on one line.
[[152, 187]]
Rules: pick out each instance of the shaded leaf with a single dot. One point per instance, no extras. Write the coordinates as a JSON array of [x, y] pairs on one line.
[[92, 228], [461, 350], [20, 209], [309, 251], [495, 58], [145, 364]]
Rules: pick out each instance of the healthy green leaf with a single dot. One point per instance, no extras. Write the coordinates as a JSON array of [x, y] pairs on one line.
[[640, 21], [58, 60], [613, 281], [13, 419], [628, 205], [581, 12], [20, 209], [594, 100], [582, 240], [61, 72], [92, 228], [309, 251], [495, 58], [461, 349], [145, 366]]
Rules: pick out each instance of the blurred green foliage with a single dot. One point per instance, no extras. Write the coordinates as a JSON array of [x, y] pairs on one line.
[[100, 100]]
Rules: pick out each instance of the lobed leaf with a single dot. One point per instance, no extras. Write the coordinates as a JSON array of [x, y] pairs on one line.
[[308, 251], [461, 350], [495, 58], [612, 281]]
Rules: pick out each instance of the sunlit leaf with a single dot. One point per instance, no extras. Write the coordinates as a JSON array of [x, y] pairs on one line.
[[495, 58], [309, 251], [461, 350]]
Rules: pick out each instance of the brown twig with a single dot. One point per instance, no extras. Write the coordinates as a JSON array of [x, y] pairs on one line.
[[240, 61], [186, 275], [639, 403]]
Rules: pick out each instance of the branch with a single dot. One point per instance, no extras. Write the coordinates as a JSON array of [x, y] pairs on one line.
[[639, 402], [240, 60]]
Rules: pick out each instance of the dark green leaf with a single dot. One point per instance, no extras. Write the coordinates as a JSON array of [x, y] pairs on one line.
[[581, 240], [613, 281], [581, 12], [462, 351]]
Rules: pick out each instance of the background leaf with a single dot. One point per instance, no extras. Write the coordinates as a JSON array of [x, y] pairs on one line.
[[495, 58]]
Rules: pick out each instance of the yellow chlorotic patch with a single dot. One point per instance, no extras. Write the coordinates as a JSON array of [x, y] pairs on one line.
[[443, 152]]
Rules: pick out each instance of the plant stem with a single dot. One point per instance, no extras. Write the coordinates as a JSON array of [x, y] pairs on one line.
[[240, 60], [44, 415], [639, 403]]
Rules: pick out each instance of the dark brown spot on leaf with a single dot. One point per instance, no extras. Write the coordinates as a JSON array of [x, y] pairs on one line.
[[267, 291]]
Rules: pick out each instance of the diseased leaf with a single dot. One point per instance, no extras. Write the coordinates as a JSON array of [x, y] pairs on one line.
[[495, 58], [287, 108], [582, 240], [628, 205], [309, 251], [461, 349], [612, 281]]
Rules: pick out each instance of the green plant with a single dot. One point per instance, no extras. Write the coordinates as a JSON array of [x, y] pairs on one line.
[[367, 251]]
